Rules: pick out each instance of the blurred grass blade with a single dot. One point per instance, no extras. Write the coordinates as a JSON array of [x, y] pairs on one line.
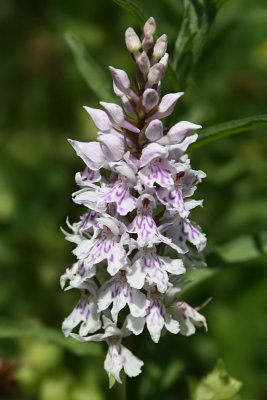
[[90, 70], [133, 8], [215, 132], [20, 330], [197, 19]]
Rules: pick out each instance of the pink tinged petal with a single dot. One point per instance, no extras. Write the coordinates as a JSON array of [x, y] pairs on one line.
[[159, 172], [177, 150], [173, 200], [152, 151], [173, 266], [155, 320], [143, 63], [120, 297], [105, 297], [100, 118], [193, 234], [88, 197], [160, 48], [117, 259], [189, 318], [137, 274], [164, 61], [120, 194], [171, 325], [84, 312], [135, 325], [147, 42], [122, 82], [112, 146], [137, 303], [166, 105], [131, 364], [127, 104], [190, 204], [178, 132], [113, 361], [90, 152], [121, 79], [150, 99], [154, 75], [150, 27], [154, 130], [114, 111], [132, 41], [87, 176]]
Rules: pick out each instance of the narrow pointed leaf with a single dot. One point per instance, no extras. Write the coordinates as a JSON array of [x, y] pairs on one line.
[[133, 8], [90, 70], [197, 20], [215, 132]]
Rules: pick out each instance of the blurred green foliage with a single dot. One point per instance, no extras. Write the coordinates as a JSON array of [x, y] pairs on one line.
[[42, 95]]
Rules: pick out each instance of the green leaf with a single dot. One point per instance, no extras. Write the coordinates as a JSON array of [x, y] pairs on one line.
[[133, 8], [112, 381], [244, 248], [197, 19], [217, 385], [90, 70], [215, 132], [19, 330]]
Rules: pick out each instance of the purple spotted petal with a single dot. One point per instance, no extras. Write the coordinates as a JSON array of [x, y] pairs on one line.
[[157, 171]]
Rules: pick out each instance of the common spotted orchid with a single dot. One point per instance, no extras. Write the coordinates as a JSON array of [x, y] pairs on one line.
[[135, 240]]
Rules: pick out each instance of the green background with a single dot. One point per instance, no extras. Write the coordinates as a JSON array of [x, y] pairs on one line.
[[42, 94]]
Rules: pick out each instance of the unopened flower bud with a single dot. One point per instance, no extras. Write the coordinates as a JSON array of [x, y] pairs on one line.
[[160, 48], [143, 63], [132, 41], [150, 99], [147, 42], [121, 79], [150, 27], [154, 130], [164, 61], [154, 75]]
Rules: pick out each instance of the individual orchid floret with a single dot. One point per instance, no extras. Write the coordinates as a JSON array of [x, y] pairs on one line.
[[157, 317], [118, 291], [148, 266], [85, 313], [105, 245], [188, 317], [118, 356]]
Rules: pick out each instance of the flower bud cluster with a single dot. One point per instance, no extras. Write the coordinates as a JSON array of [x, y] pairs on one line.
[[136, 186]]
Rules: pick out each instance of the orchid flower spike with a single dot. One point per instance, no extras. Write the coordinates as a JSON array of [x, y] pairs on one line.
[[136, 188]]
